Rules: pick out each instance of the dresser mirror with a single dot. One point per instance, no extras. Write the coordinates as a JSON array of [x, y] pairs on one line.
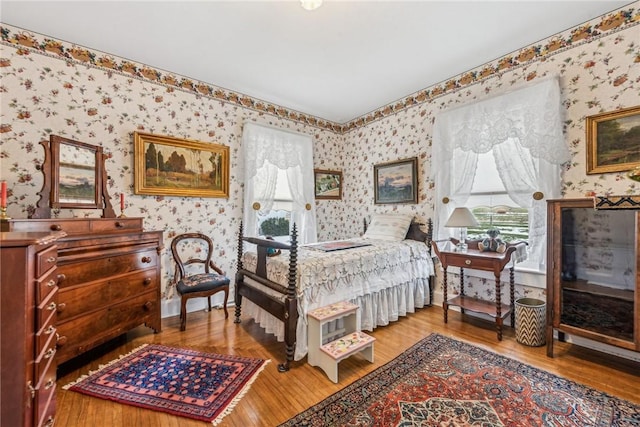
[[76, 173], [74, 178]]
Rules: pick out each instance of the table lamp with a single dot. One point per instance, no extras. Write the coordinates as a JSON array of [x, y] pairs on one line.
[[462, 218]]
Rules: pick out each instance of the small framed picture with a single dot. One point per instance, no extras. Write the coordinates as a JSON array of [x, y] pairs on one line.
[[396, 182], [613, 141], [328, 184]]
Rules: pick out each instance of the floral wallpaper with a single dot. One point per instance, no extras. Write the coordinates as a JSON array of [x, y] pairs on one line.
[[54, 87]]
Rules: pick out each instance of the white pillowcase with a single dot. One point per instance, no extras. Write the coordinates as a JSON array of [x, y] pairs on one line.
[[392, 227]]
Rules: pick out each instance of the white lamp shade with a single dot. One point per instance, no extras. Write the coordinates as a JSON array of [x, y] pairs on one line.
[[461, 217]]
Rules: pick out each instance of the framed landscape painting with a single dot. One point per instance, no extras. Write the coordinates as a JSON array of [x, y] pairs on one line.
[[396, 182], [180, 167], [328, 184], [613, 141]]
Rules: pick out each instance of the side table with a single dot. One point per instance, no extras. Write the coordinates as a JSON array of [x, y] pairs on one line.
[[478, 260]]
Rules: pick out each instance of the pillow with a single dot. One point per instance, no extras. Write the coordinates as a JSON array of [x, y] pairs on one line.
[[416, 233], [391, 227]]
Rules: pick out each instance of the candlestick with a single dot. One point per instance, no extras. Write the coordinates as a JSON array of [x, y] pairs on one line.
[[3, 194], [122, 215]]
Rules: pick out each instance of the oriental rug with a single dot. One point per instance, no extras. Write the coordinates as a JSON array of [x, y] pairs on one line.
[[444, 382], [186, 383]]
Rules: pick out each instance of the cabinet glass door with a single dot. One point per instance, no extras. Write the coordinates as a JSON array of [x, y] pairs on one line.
[[598, 271]]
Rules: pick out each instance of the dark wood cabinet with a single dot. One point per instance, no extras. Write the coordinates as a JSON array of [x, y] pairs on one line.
[[111, 284], [28, 311], [592, 270]]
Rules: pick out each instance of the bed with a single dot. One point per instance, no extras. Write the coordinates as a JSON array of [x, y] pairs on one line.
[[277, 284]]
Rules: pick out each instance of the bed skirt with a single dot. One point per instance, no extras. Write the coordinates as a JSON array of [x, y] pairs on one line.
[[376, 309]]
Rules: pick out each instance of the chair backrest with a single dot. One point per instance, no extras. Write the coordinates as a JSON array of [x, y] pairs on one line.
[[181, 262]]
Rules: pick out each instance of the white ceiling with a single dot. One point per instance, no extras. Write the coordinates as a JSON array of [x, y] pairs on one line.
[[337, 63]]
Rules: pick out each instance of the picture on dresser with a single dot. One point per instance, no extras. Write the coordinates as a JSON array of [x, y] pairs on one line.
[[171, 166]]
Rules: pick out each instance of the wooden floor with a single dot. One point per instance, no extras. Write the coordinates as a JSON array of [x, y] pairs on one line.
[[275, 397]]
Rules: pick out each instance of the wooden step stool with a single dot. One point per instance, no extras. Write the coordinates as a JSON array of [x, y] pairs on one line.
[[326, 350]]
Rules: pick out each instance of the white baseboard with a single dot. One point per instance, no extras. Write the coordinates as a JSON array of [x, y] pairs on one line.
[[171, 307]]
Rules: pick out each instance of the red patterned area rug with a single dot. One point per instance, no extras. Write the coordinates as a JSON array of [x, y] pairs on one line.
[[187, 383], [444, 382]]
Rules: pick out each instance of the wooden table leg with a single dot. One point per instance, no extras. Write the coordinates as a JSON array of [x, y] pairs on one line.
[[512, 291], [498, 308], [445, 306]]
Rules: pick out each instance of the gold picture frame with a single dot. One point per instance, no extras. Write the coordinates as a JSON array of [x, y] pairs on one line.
[[327, 184], [188, 168], [613, 141], [396, 182]]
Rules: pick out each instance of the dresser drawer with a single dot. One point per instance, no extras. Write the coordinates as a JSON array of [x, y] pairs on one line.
[[46, 260], [77, 300], [102, 266], [45, 397], [44, 360], [45, 334], [46, 285], [84, 332], [46, 311], [70, 226], [116, 224]]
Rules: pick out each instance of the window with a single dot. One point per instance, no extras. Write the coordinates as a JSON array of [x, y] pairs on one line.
[[493, 208], [276, 222], [522, 130], [278, 182]]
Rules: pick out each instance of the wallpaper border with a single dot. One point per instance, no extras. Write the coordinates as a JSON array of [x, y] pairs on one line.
[[27, 42]]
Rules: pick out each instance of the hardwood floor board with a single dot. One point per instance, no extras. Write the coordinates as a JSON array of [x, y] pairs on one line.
[[275, 397]]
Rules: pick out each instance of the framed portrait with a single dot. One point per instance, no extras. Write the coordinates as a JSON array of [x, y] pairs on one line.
[[396, 182], [328, 184], [613, 141], [180, 167]]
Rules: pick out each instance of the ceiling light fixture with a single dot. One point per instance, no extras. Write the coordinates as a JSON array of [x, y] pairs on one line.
[[310, 4]]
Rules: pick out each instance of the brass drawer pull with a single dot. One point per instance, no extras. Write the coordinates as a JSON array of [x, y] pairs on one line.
[[52, 306], [147, 281], [119, 224], [51, 329], [51, 283], [49, 384], [146, 259], [50, 421], [467, 261], [50, 353], [51, 259], [55, 227]]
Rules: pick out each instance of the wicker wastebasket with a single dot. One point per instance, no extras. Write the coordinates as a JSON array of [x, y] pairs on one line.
[[530, 321]]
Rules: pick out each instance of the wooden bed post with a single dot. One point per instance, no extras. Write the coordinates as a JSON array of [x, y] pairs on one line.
[[291, 303], [239, 278]]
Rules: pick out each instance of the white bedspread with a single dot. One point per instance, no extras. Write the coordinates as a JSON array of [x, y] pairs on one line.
[[386, 280]]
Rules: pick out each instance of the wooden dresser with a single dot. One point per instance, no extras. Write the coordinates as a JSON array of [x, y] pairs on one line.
[[28, 302], [111, 282]]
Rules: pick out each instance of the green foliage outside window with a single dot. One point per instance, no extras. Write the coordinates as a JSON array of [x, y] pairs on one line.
[[513, 222], [275, 227]]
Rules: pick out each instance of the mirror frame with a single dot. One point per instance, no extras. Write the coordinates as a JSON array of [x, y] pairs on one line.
[[62, 170], [51, 195]]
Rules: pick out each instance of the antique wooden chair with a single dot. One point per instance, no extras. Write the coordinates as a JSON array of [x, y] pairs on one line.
[[189, 282]]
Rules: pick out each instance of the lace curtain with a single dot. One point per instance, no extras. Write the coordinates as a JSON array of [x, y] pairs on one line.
[[265, 151], [523, 130]]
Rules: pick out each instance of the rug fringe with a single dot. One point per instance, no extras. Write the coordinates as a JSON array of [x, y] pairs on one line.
[[102, 367], [238, 396]]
